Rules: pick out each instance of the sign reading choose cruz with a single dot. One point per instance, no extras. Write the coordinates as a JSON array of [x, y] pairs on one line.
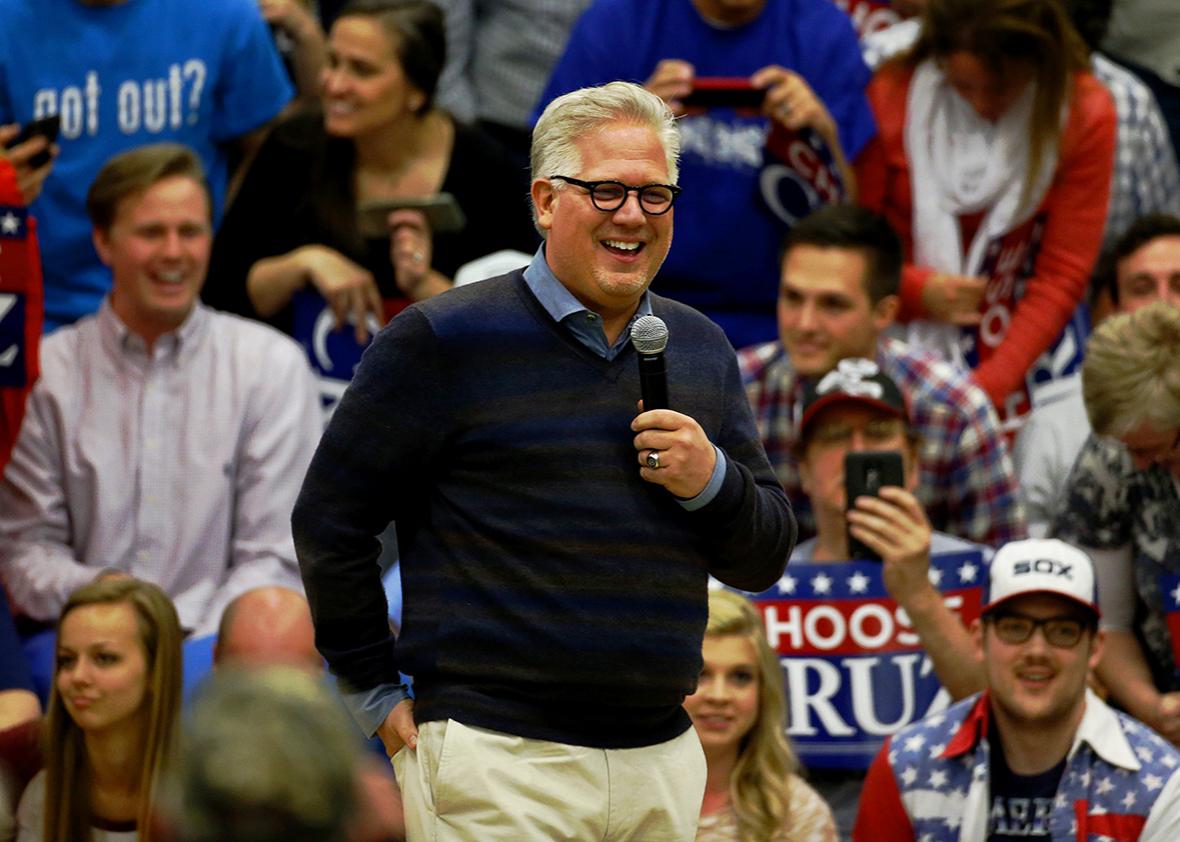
[[854, 668]]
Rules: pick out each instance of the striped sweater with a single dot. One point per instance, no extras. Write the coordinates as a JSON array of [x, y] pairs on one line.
[[550, 592]]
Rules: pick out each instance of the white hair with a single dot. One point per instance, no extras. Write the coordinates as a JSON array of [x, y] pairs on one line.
[[569, 118]]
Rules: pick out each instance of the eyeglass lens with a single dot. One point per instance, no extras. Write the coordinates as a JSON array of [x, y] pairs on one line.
[[1064, 632], [610, 196]]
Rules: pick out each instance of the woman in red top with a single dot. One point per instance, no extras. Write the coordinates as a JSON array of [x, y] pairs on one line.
[[994, 116]]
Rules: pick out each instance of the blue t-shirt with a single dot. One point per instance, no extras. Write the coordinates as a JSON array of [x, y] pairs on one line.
[[724, 257], [144, 71]]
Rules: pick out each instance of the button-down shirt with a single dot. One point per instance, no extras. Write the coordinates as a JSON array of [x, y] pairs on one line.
[[965, 482], [179, 464]]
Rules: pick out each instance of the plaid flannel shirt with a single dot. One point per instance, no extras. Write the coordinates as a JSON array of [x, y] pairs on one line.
[[966, 481], [1145, 177]]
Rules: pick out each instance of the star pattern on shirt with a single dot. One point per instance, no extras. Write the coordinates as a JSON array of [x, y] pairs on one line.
[[1145, 754], [786, 584], [938, 778], [914, 744], [967, 572], [1152, 782], [909, 775], [858, 583], [10, 224], [1105, 785]]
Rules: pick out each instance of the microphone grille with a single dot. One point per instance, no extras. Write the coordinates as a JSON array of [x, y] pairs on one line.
[[649, 335]]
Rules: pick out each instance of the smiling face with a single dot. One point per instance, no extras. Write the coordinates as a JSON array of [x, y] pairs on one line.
[[725, 705], [1150, 273], [1035, 685], [363, 87], [990, 94], [606, 259], [824, 310], [158, 250], [102, 667]]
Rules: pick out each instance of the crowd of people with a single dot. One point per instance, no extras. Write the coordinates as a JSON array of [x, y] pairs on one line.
[[329, 410]]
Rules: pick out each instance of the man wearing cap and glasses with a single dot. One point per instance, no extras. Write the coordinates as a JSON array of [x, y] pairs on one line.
[[1037, 755], [555, 543], [856, 407]]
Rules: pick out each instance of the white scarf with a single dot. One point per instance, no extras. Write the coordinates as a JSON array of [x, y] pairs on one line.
[[960, 164]]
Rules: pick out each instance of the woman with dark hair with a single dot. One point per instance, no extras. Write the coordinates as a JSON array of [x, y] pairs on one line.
[[113, 712], [993, 162], [753, 792], [377, 139]]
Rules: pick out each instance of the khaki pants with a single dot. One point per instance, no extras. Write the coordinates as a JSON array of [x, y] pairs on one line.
[[465, 783]]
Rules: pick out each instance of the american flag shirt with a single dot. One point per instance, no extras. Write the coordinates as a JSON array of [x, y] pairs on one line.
[[930, 781], [966, 481]]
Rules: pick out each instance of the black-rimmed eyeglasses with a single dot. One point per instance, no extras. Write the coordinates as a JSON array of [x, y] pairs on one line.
[[1062, 632], [608, 196]]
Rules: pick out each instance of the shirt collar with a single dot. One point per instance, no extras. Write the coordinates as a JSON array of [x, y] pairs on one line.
[[561, 304], [123, 339], [1100, 728]]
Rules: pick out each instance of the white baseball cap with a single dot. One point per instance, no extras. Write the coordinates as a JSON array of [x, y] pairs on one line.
[[1042, 565]]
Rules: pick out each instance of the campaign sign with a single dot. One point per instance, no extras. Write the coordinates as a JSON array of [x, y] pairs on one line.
[[1170, 595], [1008, 263], [854, 669], [13, 371], [333, 352], [799, 174]]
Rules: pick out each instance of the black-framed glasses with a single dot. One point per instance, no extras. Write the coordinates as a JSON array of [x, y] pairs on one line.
[[608, 196], [1062, 632]]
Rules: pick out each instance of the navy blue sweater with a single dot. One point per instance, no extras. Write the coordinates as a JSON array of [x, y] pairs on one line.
[[550, 592]]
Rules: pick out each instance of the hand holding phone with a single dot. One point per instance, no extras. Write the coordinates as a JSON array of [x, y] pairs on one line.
[[724, 92], [46, 127], [441, 210], [865, 474]]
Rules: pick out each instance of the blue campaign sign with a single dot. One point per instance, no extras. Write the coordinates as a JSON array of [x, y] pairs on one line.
[[333, 353], [854, 669], [13, 371]]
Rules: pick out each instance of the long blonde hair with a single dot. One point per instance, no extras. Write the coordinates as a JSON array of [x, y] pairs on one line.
[[1036, 32], [67, 773], [759, 788]]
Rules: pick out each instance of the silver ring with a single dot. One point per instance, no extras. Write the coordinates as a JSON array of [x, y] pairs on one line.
[[653, 459]]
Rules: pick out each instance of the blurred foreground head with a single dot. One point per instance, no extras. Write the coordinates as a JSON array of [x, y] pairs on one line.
[[269, 756]]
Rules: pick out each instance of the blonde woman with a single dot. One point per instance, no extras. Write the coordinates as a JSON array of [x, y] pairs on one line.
[[753, 792], [112, 716]]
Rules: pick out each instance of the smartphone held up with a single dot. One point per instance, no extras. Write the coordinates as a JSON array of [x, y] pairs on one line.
[[866, 472], [47, 127]]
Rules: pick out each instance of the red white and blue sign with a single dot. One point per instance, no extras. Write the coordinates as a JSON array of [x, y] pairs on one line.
[[799, 174], [855, 671], [1170, 596]]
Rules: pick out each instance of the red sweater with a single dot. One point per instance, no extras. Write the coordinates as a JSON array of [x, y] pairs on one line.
[[1074, 208]]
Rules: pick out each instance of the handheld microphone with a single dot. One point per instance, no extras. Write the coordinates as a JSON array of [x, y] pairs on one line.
[[649, 335]]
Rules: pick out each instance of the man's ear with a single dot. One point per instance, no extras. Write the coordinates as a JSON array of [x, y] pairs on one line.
[[544, 199], [101, 240], [1097, 647], [885, 312]]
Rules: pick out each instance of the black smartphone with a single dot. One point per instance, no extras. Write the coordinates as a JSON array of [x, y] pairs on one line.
[[865, 473], [441, 210], [724, 92], [47, 127]]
